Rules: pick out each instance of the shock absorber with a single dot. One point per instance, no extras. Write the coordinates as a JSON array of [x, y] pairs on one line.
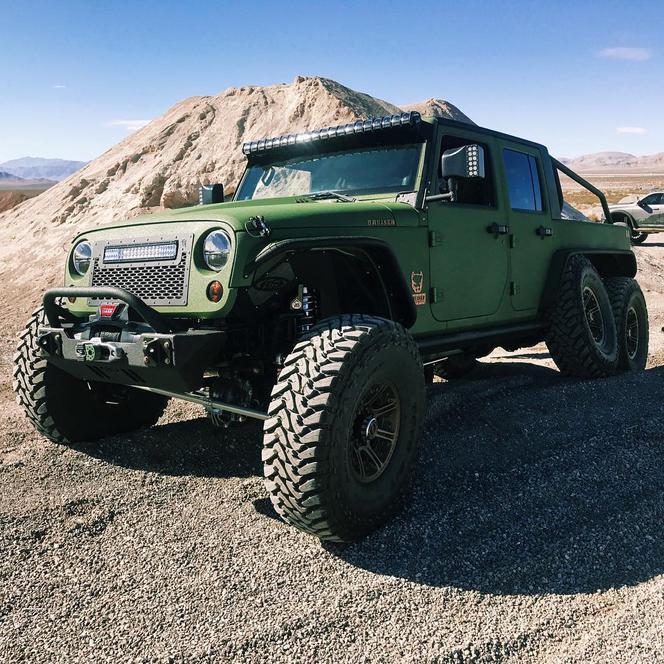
[[307, 303]]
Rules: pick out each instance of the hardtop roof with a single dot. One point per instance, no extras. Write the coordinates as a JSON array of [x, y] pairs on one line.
[[456, 124]]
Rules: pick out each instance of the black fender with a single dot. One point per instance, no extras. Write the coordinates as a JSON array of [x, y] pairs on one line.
[[396, 290], [608, 262]]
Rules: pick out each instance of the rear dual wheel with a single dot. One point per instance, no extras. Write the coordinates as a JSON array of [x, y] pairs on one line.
[[631, 317], [597, 328]]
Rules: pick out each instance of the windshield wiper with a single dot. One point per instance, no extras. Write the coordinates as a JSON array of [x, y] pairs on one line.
[[320, 195]]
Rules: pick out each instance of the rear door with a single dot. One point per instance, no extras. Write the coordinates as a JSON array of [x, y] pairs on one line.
[[531, 231], [655, 203], [469, 261]]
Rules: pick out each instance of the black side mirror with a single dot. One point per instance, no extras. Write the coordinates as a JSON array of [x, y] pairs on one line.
[[464, 162], [644, 206], [211, 193]]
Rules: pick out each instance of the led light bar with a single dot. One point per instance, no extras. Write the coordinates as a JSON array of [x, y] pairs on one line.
[[474, 161], [410, 118], [129, 253]]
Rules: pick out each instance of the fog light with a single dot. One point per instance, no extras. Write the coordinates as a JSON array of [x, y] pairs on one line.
[[214, 291]]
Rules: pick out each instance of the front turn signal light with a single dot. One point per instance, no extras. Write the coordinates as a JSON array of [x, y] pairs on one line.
[[215, 291]]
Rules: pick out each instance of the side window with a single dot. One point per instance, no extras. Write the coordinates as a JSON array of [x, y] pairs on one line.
[[523, 181], [652, 199], [474, 191]]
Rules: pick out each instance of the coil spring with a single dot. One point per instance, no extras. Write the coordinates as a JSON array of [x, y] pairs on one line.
[[308, 313]]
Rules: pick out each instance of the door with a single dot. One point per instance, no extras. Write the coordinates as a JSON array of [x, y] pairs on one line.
[[468, 242], [653, 206], [532, 232]]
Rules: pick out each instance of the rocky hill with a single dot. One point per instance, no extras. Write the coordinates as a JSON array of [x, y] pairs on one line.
[[162, 165]]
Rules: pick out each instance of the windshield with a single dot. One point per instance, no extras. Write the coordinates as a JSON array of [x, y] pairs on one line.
[[364, 171]]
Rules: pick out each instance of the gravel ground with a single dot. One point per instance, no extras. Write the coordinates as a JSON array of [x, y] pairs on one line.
[[533, 533]]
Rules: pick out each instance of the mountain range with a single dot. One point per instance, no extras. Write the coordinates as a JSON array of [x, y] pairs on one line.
[[38, 168], [11, 182], [605, 162]]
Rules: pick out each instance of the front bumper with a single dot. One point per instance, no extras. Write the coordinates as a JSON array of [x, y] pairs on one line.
[[147, 353]]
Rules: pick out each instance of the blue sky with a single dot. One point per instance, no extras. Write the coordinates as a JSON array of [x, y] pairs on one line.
[[578, 76]]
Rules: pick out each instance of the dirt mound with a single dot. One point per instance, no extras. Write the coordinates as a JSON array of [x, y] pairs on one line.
[[163, 164], [439, 108]]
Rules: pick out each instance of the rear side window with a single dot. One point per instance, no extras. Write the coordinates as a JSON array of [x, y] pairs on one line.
[[523, 181]]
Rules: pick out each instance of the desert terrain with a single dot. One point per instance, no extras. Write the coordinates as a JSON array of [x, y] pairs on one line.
[[533, 532], [616, 186]]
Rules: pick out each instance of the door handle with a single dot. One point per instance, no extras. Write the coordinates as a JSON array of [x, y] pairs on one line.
[[498, 229], [543, 231]]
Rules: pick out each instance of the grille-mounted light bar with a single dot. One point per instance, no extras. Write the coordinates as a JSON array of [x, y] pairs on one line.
[[410, 118], [129, 253]]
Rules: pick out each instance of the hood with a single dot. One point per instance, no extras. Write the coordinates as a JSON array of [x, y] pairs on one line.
[[290, 212]]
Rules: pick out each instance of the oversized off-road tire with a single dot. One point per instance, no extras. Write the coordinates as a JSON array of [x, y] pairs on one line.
[[456, 366], [631, 315], [345, 417], [582, 336], [68, 410]]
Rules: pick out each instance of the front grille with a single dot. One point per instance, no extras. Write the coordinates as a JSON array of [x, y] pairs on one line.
[[156, 283]]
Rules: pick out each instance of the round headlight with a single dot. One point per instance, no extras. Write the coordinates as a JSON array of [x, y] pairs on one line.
[[216, 250], [81, 257]]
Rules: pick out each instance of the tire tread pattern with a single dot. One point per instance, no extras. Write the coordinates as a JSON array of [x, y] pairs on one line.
[[304, 403], [32, 387], [568, 338]]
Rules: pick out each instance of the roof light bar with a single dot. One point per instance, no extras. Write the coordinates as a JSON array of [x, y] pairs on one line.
[[410, 118]]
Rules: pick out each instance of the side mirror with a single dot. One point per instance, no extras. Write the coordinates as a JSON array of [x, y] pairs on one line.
[[464, 162], [644, 206], [211, 193]]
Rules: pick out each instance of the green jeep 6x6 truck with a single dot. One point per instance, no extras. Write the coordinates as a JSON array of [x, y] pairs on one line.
[[353, 263]]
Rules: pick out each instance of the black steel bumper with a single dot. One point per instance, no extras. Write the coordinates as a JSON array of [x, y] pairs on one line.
[[151, 355], [158, 322]]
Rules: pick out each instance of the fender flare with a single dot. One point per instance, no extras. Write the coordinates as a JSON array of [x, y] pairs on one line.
[[608, 262], [396, 289], [633, 224]]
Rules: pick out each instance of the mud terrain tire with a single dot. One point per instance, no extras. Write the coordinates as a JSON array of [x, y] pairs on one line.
[[347, 384], [582, 336], [631, 316], [68, 410]]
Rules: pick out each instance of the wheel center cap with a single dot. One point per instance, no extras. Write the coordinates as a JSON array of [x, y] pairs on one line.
[[371, 429]]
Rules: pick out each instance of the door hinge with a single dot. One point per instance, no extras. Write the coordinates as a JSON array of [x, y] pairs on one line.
[[512, 242], [434, 239], [514, 289], [436, 295]]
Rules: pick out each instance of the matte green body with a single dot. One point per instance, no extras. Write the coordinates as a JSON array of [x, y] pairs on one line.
[[461, 276]]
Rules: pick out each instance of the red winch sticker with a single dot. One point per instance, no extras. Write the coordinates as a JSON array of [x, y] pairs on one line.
[[107, 310]]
